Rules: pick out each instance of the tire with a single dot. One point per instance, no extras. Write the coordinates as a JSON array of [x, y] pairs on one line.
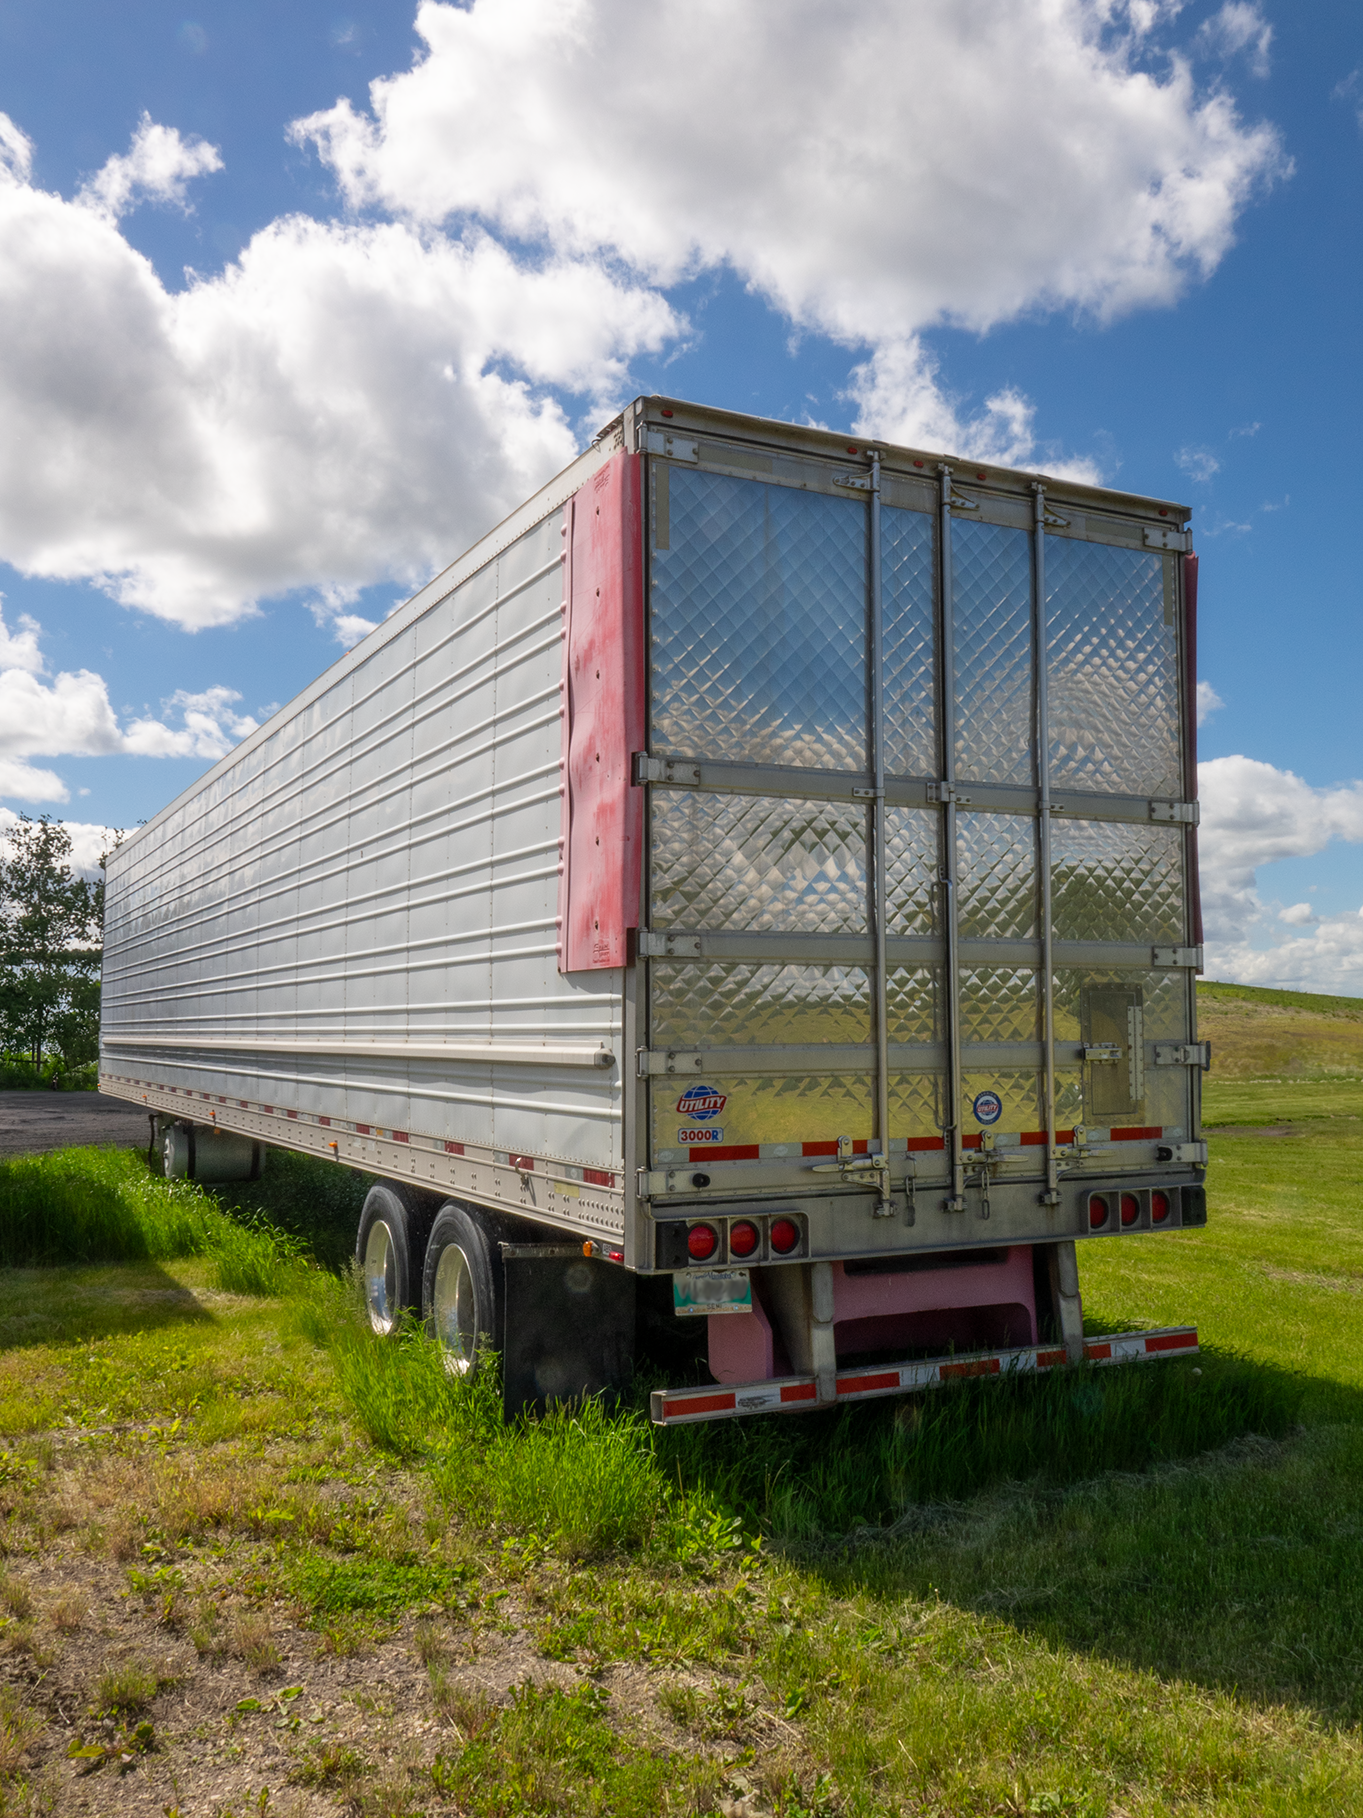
[[462, 1300], [391, 1233]]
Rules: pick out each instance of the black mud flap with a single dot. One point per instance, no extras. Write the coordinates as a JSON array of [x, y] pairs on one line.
[[569, 1326]]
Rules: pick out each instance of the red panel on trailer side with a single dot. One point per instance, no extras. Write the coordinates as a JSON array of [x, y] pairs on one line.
[[603, 719]]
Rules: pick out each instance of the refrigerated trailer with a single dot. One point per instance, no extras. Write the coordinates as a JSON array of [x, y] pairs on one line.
[[757, 881]]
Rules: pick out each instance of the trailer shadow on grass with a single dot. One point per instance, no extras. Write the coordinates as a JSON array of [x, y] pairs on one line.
[[68, 1305], [1235, 1569]]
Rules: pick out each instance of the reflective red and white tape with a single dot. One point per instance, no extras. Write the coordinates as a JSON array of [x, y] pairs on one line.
[[794, 1394]]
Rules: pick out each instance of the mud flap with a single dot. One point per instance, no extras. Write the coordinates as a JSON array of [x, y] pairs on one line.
[[569, 1326]]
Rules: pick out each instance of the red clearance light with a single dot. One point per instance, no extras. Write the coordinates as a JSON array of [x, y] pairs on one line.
[[784, 1236], [851, 451], [1130, 1208], [743, 1238], [918, 463], [981, 476], [702, 1241], [1097, 1212], [664, 413], [1159, 1208]]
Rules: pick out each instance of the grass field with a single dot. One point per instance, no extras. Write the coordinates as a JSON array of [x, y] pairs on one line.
[[254, 1562]]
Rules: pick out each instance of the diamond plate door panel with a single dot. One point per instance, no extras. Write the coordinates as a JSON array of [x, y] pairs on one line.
[[723, 1004], [1166, 1100], [992, 616], [911, 870], [996, 872], [754, 862], [1000, 1004], [910, 643], [758, 1111], [913, 1001], [759, 625], [1116, 882], [1022, 1094], [1112, 656]]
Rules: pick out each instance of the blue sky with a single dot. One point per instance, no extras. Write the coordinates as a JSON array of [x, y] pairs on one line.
[[778, 217]]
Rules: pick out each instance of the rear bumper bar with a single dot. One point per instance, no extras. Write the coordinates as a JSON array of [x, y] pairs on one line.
[[800, 1394]]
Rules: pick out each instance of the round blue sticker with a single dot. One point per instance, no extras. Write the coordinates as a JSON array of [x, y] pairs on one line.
[[988, 1108]]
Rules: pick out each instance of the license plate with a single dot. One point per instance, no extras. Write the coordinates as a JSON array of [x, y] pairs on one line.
[[712, 1291]]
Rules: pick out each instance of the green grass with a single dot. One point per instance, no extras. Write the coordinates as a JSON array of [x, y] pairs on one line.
[[1110, 1591], [1211, 991]]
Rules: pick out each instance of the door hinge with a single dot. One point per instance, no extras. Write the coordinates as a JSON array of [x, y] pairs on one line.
[[859, 482], [1184, 1054], [1166, 536], [1191, 957], [668, 946], [665, 770], [947, 792], [957, 501], [1189, 813], [672, 448], [1101, 1051]]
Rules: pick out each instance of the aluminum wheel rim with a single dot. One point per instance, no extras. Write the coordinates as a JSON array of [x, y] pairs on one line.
[[380, 1277], [453, 1310]]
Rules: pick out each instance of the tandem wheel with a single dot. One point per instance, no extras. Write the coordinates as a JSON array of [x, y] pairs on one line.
[[462, 1300]]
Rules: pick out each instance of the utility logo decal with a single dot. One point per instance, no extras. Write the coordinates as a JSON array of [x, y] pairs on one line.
[[988, 1108], [707, 1133], [701, 1103]]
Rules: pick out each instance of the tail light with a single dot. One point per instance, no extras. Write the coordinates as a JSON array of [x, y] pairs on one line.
[[701, 1242], [784, 1236], [1159, 1208], [743, 1238], [1131, 1208], [1097, 1212]]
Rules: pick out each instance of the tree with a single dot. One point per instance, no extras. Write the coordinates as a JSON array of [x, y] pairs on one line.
[[51, 929]]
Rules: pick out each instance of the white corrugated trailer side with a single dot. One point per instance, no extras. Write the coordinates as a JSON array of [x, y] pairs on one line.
[[766, 859], [344, 938]]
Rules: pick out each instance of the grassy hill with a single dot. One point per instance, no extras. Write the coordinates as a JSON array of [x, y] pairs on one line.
[[1290, 1035]]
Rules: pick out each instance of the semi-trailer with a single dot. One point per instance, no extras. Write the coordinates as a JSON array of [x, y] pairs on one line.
[[753, 890]]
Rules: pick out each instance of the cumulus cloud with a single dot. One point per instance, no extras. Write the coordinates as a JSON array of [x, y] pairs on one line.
[[329, 410], [157, 167], [354, 401], [1208, 701], [1252, 815], [89, 841], [70, 715]]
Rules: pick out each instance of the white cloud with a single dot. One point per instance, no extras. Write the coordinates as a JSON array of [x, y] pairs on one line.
[[89, 841], [211, 727], [19, 649], [1208, 701], [1252, 815], [1198, 463], [791, 164], [70, 716], [1239, 26], [355, 402], [327, 411], [24, 783], [156, 167]]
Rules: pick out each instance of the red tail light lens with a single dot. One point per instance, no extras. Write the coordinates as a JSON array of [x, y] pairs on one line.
[[784, 1236], [743, 1238], [1097, 1212], [1130, 1208], [1159, 1208], [702, 1241]]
